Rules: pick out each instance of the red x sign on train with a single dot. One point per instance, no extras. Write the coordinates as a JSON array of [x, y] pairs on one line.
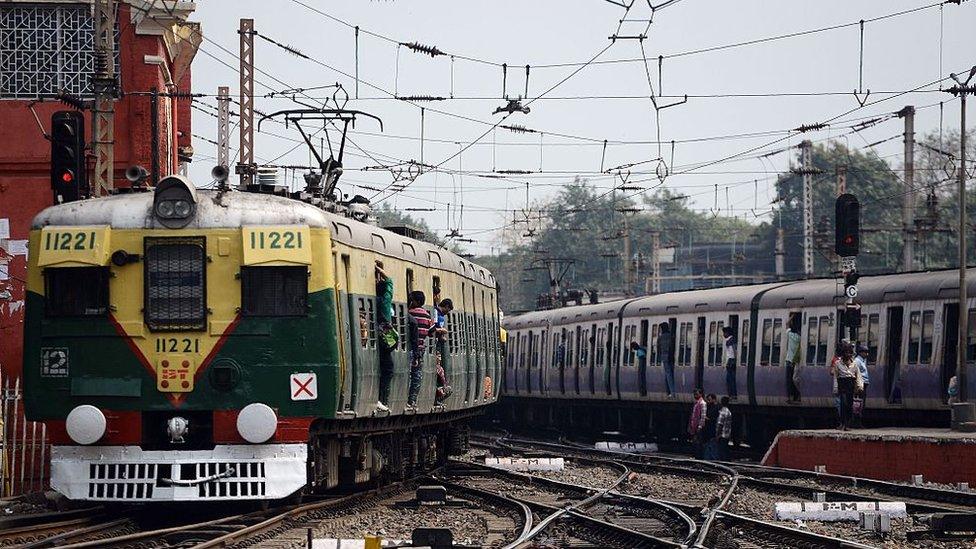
[[304, 386]]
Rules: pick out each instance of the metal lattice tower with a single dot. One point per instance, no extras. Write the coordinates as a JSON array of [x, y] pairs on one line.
[[223, 126], [104, 81], [807, 148], [245, 165]]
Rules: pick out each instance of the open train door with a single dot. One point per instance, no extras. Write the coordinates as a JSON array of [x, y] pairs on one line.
[[950, 347]]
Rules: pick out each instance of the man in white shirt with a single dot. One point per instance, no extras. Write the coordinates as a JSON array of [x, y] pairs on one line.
[[723, 430]]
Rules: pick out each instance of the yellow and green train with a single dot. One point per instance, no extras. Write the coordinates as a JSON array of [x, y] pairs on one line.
[[186, 344]]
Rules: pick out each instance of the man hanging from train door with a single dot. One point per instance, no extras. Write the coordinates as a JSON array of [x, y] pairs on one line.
[[793, 366], [419, 324], [388, 337], [439, 318], [729, 346]]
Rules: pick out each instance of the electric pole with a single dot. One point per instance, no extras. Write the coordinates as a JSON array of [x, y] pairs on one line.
[[105, 91], [245, 166], [908, 197], [628, 281], [807, 150], [223, 126], [655, 262], [963, 412]]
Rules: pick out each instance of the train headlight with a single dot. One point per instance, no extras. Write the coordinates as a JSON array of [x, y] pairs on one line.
[[174, 201], [177, 428], [182, 208], [85, 424], [165, 209], [257, 423]]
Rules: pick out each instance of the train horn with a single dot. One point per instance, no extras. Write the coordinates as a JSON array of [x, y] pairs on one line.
[[136, 174], [219, 173]]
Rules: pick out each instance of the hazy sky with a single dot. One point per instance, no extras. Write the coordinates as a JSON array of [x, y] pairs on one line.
[[602, 101]]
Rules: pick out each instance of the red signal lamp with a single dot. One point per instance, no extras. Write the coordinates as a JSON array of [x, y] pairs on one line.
[[67, 177]]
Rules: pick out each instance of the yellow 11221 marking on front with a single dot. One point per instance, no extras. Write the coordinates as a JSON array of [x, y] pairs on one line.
[[70, 240], [177, 345], [288, 245]]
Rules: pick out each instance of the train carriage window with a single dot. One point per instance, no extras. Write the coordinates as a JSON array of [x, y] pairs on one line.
[[402, 326], [745, 338], [914, 336], [873, 333], [971, 337], [76, 291], [822, 357], [767, 341], [274, 291], [652, 346], [777, 333], [685, 337], [812, 333], [175, 279], [928, 328], [711, 343], [364, 326]]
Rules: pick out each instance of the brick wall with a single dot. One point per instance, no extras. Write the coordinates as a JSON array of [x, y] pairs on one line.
[[943, 461]]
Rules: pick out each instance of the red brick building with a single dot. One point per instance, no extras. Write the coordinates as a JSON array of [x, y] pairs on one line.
[[46, 47]]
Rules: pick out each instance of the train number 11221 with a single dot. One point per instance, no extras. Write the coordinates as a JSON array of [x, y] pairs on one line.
[[70, 240], [177, 345]]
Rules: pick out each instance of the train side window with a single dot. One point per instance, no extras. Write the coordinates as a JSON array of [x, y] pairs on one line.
[[874, 331], [745, 338], [274, 291], [711, 344], [767, 341], [402, 326], [685, 337], [971, 337], [364, 327], [914, 336], [812, 333], [928, 327], [76, 291], [652, 346], [822, 341], [777, 333]]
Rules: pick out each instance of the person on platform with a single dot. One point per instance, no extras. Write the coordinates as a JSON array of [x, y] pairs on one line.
[[388, 336], [419, 324], [666, 357], [724, 429], [793, 358], [862, 364], [710, 431], [849, 381], [696, 423], [729, 347]]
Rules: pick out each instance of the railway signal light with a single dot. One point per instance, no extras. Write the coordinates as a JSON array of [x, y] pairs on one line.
[[847, 225], [68, 176]]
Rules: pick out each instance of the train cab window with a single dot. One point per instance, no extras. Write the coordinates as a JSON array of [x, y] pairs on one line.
[[812, 333], [914, 336], [928, 328], [410, 286], [873, 333], [274, 291], [175, 279], [745, 337], [76, 291]]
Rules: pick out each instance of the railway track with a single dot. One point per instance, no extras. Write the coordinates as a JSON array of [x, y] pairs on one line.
[[733, 503]]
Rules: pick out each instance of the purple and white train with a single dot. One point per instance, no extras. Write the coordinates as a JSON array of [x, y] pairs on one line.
[[574, 366]]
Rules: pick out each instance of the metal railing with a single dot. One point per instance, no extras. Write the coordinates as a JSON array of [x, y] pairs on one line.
[[24, 450]]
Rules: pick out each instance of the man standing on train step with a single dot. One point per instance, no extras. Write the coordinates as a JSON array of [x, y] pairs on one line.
[[388, 337], [729, 347], [419, 327]]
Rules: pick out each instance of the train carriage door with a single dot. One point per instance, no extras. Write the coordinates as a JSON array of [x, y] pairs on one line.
[[579, 346], [893, 354], [700, 358], [642, 361], [610, 361], [594, 350], [950, 345], [355, 335]]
